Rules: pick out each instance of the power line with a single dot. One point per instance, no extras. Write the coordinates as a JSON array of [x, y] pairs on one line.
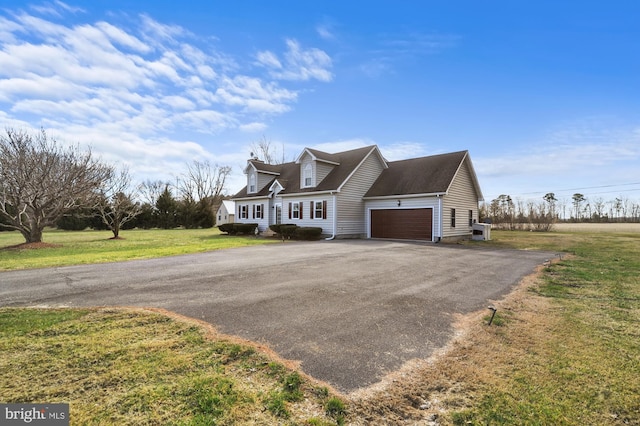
[[586, 187], [528, 195]]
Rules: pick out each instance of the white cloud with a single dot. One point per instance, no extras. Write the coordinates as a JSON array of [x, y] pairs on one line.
[[595, 154], [254, 127], [269, 60], [403, 150], [343, 145], [299, 63], [136, 92], [325, 31]]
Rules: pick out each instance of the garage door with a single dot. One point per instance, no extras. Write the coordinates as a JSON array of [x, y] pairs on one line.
[[402, 224]]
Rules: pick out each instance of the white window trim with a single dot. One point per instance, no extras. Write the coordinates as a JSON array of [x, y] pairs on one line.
[[307, 173], [295, 210], [252, 183]]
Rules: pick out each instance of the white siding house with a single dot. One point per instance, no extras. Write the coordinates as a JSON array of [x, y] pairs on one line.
[[358, 193], [226, 212]]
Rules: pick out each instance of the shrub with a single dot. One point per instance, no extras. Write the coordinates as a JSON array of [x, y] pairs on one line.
[[226, 227], [238, 228], [308, 233], [275, 227], [244, 228], [288, 231]]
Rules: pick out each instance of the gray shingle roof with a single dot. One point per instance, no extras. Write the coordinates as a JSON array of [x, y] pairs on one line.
[[424, 175], [289, 173]]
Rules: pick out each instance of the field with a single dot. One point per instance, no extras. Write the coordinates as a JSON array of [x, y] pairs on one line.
[[563, 349], [65, 248], [597, 227]]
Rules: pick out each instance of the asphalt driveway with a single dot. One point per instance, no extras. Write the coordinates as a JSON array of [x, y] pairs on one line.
[[351, 311]]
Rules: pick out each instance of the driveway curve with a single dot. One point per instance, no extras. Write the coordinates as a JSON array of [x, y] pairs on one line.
[[350, 310]]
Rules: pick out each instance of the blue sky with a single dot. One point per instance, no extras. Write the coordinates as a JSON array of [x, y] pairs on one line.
[[544, 94]]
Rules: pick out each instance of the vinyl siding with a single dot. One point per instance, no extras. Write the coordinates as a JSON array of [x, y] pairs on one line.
[[462, 197], [263, 180], [263, 224], [325, 224], [322, 170], [406, 203], [351, 221]]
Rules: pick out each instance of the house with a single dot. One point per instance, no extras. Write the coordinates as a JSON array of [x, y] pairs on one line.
[[359, 194], [226, 212]]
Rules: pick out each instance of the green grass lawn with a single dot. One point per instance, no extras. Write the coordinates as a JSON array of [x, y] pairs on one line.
[[585, 368], [566, 351], [134, 367], [80, 247]]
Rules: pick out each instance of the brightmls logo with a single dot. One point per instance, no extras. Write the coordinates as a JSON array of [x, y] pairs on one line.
[[37, 414]]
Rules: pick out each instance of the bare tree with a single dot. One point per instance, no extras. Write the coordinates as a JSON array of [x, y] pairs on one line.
[[200, 189], [265, 151], [115, 204], [40, 181], [150, 191], [203, 180]]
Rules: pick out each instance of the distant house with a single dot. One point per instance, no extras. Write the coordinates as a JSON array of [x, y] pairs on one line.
[[359, 194], [226, 212]]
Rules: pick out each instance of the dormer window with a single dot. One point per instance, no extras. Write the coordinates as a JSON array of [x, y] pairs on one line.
[[308, 175], [252, 182]]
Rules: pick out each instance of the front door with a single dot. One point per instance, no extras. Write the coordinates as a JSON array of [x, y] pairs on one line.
[[278, 213]]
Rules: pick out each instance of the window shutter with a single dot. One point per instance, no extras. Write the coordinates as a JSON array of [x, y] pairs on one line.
[[301, 204], [324, 209], [253, 213], [290, 210], [311, 211], [261, 211]]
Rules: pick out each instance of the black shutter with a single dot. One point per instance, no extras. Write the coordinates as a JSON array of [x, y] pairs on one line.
[[290, 210], [324, 209]]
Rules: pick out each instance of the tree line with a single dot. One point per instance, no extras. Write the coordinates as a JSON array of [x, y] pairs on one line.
[[539, 215], [43, 184]]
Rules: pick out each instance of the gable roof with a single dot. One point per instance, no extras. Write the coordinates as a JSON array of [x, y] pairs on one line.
[[423, 175], [229, 205], [288, 174], [263, 167], [325, 157]]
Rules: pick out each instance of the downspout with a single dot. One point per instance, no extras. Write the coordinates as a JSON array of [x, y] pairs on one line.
[[440, 224], [334, 218]]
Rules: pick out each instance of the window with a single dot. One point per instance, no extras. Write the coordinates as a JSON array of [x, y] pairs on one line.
[[258, 211], [470, 217], [318, 209], [244, 212], [453, 218], [295, 211], [252, 182], [308, 175]]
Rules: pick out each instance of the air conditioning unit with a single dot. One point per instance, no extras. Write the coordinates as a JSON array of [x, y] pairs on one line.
[[481, 231]]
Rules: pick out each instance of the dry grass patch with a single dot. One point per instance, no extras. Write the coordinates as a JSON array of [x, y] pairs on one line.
[[566, 350]]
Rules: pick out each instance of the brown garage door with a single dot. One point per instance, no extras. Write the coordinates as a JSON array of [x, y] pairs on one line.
[[402, 224]]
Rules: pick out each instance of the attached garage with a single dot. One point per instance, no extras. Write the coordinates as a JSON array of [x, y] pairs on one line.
[[402, 224]]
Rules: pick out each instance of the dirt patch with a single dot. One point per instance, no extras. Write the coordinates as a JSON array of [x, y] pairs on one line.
[[452, 379], [31, 246]]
